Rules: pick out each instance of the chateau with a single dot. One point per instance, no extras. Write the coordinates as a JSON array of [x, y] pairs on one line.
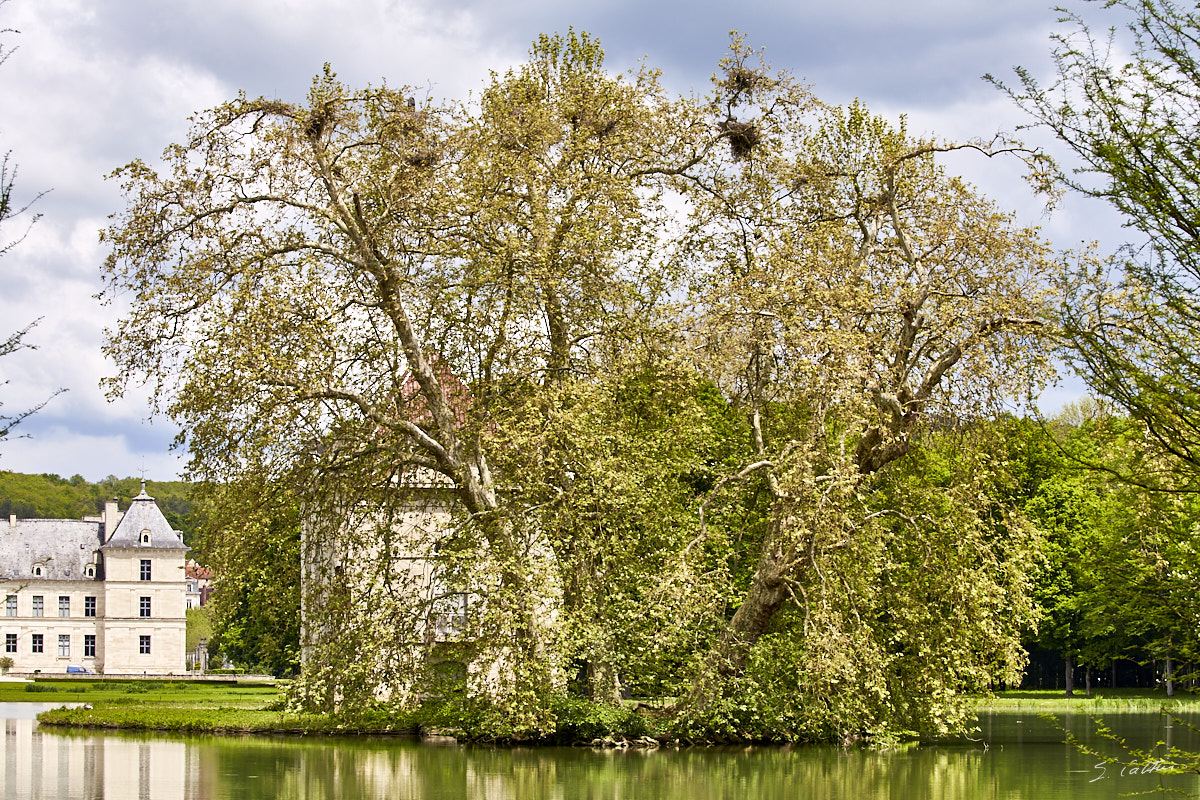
[[105, 593]]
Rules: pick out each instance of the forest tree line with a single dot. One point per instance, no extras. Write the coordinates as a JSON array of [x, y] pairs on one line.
[[49, 496]]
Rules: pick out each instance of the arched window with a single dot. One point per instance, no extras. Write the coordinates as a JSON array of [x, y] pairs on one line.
[[146, 536], [37, 572], [89, 571]]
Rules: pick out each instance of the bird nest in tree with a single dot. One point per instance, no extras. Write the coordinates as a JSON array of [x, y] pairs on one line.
[[422, 159], [744, 81], [742, 136]]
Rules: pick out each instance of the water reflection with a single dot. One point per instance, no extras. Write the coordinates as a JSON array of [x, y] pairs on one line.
[[1015, 757], [42, 764]]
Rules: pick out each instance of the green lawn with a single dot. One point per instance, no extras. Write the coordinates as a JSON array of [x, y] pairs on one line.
[[163, 705], [142, 693], [188, 706], [1106, 700]]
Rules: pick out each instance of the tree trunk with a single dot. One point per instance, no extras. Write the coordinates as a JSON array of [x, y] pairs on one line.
[[603, 682], [1114, 673], [1169, 678], [1070, 676], [753, 618], [1087, 680]]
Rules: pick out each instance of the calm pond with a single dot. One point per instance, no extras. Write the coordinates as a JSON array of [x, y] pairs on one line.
[[1017, 756]]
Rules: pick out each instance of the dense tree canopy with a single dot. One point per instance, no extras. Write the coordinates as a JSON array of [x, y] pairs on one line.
[[49, 496], [1117, 578], [858, 304]]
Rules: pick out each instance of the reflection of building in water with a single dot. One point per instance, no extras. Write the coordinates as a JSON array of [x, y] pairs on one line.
[[39, 764], [103, 593]]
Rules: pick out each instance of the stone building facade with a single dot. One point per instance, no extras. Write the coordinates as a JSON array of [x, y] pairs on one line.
[[104, 593]]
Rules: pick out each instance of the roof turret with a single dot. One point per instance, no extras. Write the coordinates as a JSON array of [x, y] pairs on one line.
[[144, 527]]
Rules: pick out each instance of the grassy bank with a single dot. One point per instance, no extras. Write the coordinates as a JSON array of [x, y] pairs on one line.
[[184, 706], [193, 707], [196, 707], [1107, 701]]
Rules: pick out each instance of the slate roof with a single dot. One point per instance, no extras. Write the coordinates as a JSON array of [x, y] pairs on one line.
[[143, 515], [62, 547]]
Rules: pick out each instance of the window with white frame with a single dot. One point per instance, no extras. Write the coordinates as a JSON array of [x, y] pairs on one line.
[[144, 570], [89, 645], [10, 605], [89, 606], [10, 643], [37, 605], [144, 645], [64, 645], [143, 606], [35, 643], [64, 605]]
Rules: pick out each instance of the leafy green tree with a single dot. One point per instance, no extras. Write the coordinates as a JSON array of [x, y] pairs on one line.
[[369, 308], [1116, 578], [252, 543], [1128, 107], [845, 280], [351, 293]]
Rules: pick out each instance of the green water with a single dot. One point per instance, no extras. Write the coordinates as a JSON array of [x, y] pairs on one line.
[[1016, 756]]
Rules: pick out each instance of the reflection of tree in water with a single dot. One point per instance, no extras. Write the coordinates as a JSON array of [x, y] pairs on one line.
[[393, 769]]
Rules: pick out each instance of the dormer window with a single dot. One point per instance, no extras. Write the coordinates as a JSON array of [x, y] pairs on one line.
[[37, 572], [89, 571], [146, 536]]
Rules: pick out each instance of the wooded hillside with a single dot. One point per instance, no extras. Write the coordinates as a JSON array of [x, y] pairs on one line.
[[49, 496]]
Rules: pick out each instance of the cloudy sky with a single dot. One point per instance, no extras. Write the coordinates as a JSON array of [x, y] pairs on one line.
[[93, 85]]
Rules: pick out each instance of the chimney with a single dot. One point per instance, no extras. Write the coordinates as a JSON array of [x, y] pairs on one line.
[[111, 518], [12, 520]]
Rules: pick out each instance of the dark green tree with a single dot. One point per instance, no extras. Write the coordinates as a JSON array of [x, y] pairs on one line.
[[252, 543]]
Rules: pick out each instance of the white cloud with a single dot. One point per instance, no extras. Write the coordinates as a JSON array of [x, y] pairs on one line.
[[61, 450]]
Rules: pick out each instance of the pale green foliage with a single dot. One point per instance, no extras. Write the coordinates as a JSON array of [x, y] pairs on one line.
[[353, 293], [853, 297]]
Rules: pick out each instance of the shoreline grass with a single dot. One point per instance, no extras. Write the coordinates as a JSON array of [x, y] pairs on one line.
[[225, 708], [1108, 701]]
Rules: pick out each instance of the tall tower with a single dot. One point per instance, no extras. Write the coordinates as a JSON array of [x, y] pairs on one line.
[[144, 621]]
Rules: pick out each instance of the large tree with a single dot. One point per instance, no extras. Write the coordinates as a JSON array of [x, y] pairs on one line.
[[382, 302], [357, 292], [1126, 102], [856, 300]]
